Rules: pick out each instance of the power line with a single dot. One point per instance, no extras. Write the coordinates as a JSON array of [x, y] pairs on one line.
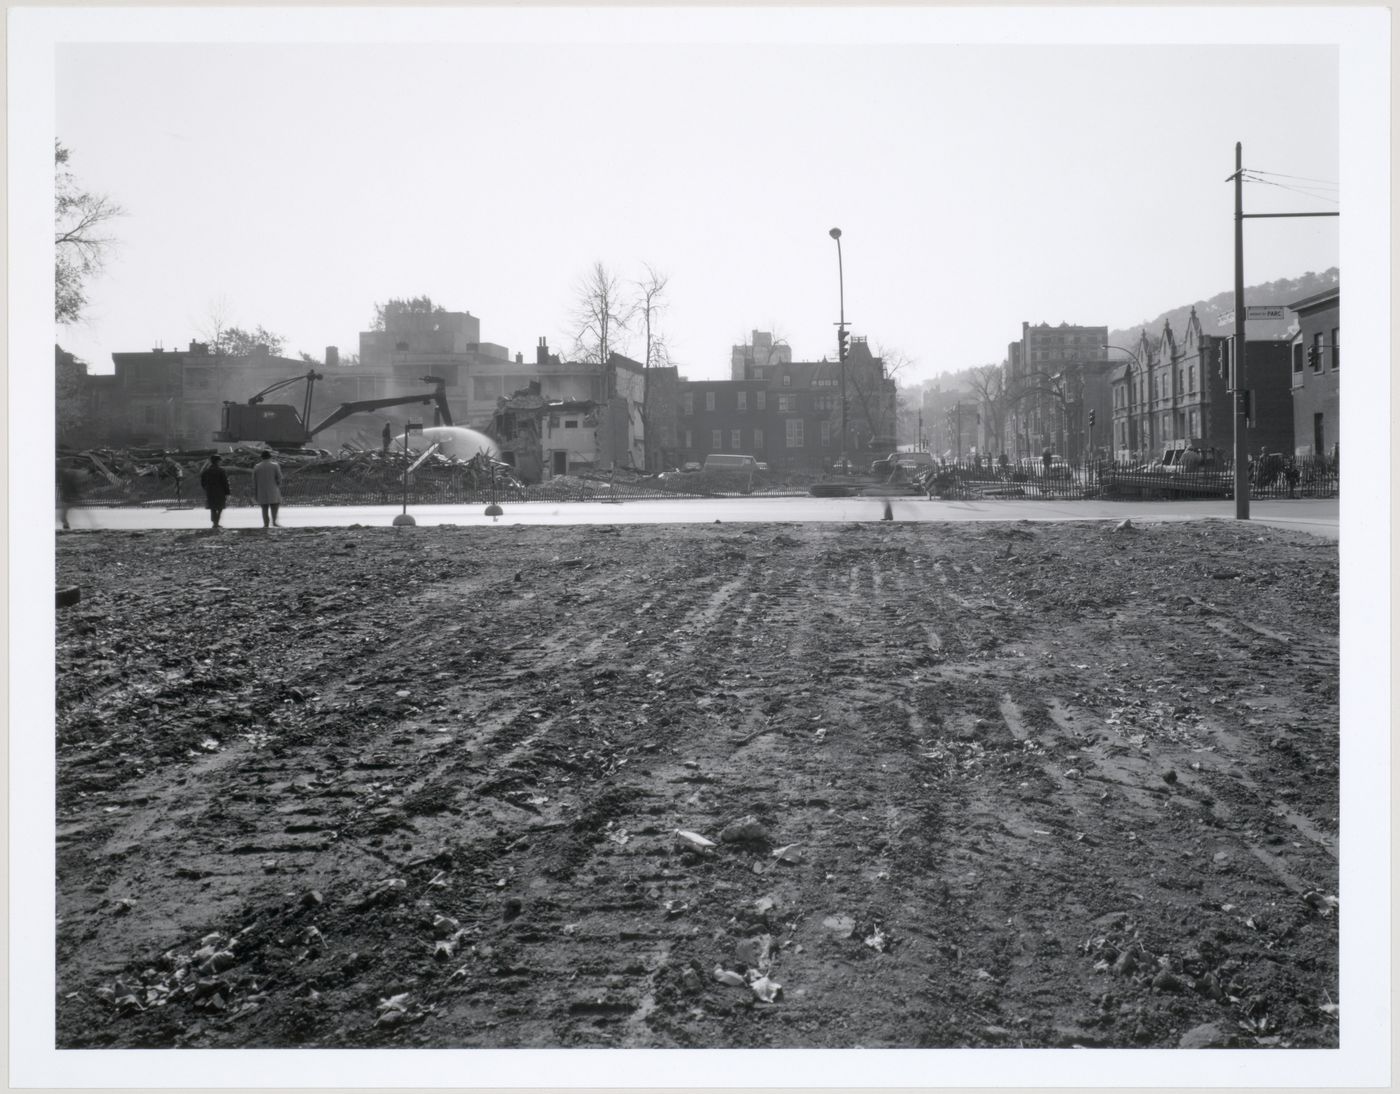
[[1295, 190], [1299, 178]]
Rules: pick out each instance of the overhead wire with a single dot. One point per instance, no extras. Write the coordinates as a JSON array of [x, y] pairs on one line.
[[1280, 175], [1293, 189]]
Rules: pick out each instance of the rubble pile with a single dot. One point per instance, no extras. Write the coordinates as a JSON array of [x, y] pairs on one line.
[[310, 476]]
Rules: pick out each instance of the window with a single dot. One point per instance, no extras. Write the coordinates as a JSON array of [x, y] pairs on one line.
[[760, 399], [787, 404], [688, 404], [1336, 351], [743, 400], [794, 432], [787, 379], [1191, 378], [1317, 352], [758, 440], [716, 440], [734, 443], [824, 429], [709, 400], [570, 423], [689, 441], [1297, 364]]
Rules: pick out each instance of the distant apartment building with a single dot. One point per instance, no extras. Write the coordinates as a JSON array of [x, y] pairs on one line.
[[1316, 361], [1054, 377], [753, 360]]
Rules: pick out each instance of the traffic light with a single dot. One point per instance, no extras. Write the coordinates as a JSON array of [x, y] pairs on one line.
[[842, 348], [1091, 417], [1312, 357]]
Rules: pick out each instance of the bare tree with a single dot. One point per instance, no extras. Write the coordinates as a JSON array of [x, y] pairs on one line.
[[989, 385], [600, 315], [80, 240], [650, 302]]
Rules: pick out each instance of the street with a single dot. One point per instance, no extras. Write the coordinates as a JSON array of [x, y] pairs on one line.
[[1314, 516]]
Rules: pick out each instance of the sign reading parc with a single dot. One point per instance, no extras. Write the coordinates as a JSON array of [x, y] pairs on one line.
[[1253, 311]]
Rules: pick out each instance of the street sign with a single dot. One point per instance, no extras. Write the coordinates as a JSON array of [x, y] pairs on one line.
[[1252, 311]]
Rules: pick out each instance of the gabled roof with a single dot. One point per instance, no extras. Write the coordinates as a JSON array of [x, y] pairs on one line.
[[1316, 298]]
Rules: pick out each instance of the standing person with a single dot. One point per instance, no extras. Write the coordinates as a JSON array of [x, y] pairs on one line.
[[267, 487], [388, 437], [214, 479], [70, 492]]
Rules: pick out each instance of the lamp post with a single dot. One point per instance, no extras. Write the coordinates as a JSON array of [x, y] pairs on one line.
[[1133, 427], [403, 519], [835, 234]]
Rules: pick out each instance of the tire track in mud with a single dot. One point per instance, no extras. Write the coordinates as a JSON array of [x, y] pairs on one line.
[[901, 703]]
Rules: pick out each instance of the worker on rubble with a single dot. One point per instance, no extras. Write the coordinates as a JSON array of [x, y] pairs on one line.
[[214, 479], [267, 487]]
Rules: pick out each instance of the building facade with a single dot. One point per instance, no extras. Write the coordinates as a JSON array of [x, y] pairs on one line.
[[1176, 390], [751, 361], [789, 414], [1053, 378], [1315, 365]]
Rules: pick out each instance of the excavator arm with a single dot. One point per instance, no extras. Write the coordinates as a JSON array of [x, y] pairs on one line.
[[437, 396]]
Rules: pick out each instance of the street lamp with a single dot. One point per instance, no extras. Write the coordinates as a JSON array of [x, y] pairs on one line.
[[835, 234], [404, 519], [1134, 426]]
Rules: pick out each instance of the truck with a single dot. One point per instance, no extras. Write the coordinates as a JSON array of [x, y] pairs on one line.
[[278, 425]]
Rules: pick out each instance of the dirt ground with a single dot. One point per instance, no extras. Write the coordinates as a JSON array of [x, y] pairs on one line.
[[880, 785]]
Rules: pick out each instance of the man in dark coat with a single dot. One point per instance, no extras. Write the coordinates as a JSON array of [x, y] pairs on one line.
[[214, 479]]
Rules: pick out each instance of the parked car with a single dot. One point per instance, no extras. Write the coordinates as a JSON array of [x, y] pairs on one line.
[[717, 461]]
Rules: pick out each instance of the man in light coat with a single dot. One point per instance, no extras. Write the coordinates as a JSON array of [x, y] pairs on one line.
[[267, 487]]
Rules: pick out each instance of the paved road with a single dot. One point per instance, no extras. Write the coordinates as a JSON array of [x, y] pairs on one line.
[[1317, 517]]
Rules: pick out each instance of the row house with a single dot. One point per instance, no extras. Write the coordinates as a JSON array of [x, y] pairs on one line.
[[1176, 391], [1316, 360], [789, 414]]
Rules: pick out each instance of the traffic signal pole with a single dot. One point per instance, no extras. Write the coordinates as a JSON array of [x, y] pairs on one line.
[[835, 234]]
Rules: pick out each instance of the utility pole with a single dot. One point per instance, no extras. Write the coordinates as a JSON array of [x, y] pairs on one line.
[[1237, 357], [1237, 378]]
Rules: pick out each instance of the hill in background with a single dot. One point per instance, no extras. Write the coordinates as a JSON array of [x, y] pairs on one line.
[[1284, 291]]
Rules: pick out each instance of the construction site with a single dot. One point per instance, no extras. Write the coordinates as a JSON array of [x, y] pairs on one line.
[[881, 785]]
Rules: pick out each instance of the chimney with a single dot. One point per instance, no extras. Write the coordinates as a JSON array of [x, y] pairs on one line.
[[542, 353], [519, 358], [332, 356]]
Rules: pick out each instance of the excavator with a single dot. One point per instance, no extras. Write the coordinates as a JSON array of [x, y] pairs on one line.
[[278, 425]]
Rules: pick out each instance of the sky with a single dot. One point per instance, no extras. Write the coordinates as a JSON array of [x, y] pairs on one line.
[[294, 186]]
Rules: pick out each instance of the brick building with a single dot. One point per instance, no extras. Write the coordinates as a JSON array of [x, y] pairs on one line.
[[1177, 389], [1316, 359], [788, 413]]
